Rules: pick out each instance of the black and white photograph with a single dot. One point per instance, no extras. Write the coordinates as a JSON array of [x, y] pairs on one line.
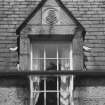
[[52, 52]]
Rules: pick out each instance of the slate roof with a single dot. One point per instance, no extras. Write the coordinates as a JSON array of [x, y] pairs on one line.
[[90, 13]]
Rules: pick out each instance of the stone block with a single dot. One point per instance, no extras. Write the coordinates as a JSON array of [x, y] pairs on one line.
[[24, 62], [24, 46]]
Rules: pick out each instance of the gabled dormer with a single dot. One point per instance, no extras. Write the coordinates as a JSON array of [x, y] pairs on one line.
[[50, 17], [51, 21]]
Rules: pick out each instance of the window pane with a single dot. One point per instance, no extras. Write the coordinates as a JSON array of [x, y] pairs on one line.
[[40, 100], [51, 98], [51, 51], [64, 64], [51, 64], [36, 86], [51, 83], [38, 51], [38, 64], [65, 89], [41, 83], [64, 51]]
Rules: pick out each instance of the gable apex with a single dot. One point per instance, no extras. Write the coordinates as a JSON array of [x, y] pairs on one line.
[[39, 6]]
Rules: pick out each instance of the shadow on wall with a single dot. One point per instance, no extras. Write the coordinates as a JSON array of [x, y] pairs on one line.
[[14, 91], [91, 61]]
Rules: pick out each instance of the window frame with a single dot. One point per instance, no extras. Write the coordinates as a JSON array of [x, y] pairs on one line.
[[52, 38]]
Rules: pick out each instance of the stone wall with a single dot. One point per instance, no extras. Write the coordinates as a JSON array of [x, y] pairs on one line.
[[14, 91], [89, 91]]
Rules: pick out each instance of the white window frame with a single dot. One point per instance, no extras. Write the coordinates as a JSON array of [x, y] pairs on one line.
[[45, 91]]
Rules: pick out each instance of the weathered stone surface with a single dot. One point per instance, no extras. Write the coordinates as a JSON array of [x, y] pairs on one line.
[[89, 91], [13, 92]]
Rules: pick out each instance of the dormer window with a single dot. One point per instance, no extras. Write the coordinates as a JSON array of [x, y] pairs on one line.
[[51, 40], [50, 56], [45, 54]]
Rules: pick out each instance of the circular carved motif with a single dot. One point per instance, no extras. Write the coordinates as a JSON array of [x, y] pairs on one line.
[[50, 16]]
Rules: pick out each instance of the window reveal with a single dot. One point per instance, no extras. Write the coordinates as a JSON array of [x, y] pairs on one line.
[[51, 90]]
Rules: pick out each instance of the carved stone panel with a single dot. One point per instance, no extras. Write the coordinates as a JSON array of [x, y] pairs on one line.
[[50, 15]]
